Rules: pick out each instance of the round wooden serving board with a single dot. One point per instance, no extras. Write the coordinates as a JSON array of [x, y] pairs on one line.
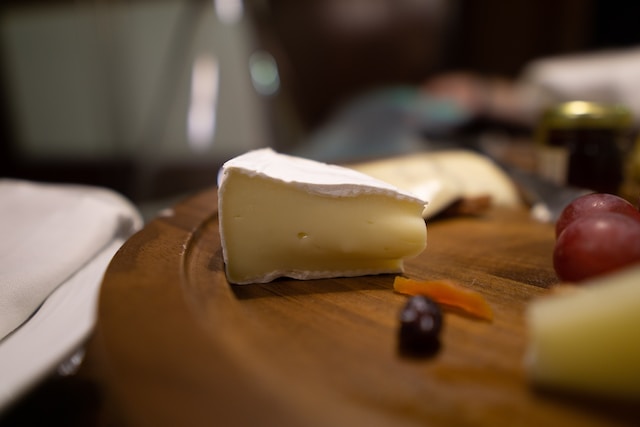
[[177, 345]]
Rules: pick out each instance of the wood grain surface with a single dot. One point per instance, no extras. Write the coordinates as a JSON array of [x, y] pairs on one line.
[[175, 344]]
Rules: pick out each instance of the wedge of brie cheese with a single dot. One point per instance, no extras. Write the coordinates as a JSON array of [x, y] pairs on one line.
[[281, 216], [443, 177], [585, 340]]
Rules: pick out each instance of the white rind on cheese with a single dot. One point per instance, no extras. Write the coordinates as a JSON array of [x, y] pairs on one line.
[[586, 339], [315, 177], [286, 216]]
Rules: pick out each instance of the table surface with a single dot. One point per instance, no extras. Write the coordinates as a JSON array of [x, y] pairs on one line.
[[175, 344]]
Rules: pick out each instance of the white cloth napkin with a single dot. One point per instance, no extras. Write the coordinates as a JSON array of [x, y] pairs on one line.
[[55, 244], [47, 233]]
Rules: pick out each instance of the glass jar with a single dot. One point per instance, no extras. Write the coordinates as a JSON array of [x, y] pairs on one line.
[[583, 144]]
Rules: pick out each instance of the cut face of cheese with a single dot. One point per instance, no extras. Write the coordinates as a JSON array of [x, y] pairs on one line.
[[286, 216], [586, 340]]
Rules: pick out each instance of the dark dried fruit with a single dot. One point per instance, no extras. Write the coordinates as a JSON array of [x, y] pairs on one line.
[[420, 325]]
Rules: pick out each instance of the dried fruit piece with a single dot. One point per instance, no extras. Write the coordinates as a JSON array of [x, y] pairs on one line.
[[420, 325], [447, 293]]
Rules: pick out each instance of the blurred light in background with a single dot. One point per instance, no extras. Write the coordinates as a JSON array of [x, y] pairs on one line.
[[356, 16], [145, 97], [264, 73], [229, 11], [201, 115]]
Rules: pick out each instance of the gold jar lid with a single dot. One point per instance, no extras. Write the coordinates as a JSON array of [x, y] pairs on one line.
[[577, 114]]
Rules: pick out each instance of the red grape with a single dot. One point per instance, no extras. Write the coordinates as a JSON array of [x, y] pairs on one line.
[[596, 244], [595, 203]]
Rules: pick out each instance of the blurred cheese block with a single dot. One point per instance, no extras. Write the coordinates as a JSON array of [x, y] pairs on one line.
[[586, 340], [443, 177], [281, 215]]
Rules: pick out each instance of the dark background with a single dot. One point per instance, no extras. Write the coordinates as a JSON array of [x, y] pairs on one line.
[[321, 70]]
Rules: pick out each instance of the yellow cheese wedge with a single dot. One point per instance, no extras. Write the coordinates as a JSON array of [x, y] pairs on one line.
[[587, 340], [443, 177], [281, 215]]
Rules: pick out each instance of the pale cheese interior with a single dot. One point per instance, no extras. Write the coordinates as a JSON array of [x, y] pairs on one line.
[[587, 340], [272, 229]]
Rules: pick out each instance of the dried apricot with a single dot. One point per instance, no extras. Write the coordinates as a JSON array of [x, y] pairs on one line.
[[447, 293]]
